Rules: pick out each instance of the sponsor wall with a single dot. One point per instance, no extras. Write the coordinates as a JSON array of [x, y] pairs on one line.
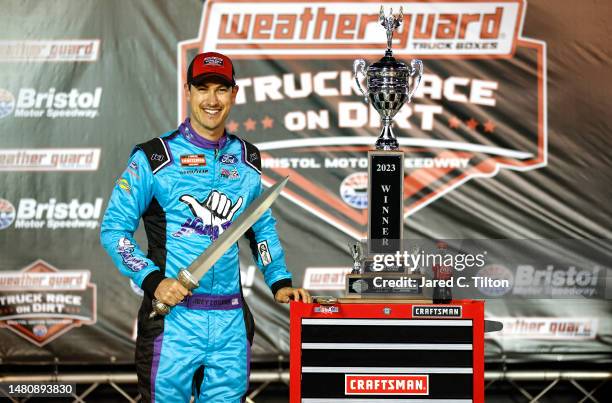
[[505, 138]]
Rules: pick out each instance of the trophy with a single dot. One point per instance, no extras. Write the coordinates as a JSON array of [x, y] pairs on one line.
[[358, 257], [389, 84]]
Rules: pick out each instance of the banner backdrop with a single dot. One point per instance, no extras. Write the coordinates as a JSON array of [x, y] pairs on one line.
[[507, 137]]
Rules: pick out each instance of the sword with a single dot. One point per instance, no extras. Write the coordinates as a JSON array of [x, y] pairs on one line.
[[191, 276]]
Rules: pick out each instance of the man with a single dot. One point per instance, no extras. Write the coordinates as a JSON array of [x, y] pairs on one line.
[[188, 185]]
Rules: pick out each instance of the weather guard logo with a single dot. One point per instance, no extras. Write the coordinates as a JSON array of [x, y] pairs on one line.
[[61, 50], [457, 127], [40, 302], [49, 159], [349, 28]]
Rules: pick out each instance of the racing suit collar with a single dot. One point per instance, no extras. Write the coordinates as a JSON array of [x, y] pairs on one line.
[[193, 137]]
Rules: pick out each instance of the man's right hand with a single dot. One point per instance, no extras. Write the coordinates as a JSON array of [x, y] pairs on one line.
[[170, 292]]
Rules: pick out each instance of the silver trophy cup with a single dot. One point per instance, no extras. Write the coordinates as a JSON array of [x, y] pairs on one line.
[[389, 83]]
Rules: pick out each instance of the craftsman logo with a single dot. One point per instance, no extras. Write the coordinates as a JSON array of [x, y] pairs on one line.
[[386, 385], [193, 160], [62, 50], [213, 60], [436, 311], [339, 28], [40, 302], [264, 253]]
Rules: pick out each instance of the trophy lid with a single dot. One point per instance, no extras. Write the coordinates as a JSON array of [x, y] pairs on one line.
[[388, 62], [388, 66]]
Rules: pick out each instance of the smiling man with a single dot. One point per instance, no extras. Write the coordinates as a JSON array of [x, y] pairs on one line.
[[187, 186]]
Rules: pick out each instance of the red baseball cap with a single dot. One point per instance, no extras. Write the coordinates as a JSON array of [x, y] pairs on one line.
[[211, 64]]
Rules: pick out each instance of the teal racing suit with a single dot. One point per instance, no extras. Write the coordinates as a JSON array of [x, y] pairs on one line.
[[187, 190]]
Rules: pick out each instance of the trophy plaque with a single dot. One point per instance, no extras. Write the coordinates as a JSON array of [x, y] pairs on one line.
[[389, 84]]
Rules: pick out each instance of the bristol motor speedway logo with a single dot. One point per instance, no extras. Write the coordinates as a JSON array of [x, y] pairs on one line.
[[52, 103], [480, 108], [41, 303], [7, 213], [34, 214]]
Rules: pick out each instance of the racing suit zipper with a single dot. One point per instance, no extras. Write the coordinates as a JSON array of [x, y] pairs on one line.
[[214, 186]]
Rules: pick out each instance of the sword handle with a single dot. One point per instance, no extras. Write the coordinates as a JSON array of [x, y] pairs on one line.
[[187, 281]]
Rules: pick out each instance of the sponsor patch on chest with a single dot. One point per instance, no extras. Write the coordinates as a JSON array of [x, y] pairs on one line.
[[193, 160], [228, 159], [230, 173]]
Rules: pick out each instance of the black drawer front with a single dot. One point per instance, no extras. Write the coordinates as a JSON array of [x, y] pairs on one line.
[[385, 334], [440, 349], [398, 358]]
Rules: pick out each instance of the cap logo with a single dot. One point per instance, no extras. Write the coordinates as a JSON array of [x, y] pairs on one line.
[[213, 60]]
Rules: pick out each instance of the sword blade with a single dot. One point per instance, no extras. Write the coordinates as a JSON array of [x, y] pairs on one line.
[[249, 216]]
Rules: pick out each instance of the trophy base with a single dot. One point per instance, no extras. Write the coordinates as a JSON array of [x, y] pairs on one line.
[[387, 144], [387, 285]]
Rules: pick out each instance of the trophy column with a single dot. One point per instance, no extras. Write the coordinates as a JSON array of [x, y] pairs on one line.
[[385, 201]]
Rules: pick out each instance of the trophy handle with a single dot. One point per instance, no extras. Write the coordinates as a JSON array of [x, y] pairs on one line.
[[416, 72], [359, 66]]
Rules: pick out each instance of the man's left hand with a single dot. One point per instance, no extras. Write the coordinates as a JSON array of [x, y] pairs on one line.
[[285, 294]]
